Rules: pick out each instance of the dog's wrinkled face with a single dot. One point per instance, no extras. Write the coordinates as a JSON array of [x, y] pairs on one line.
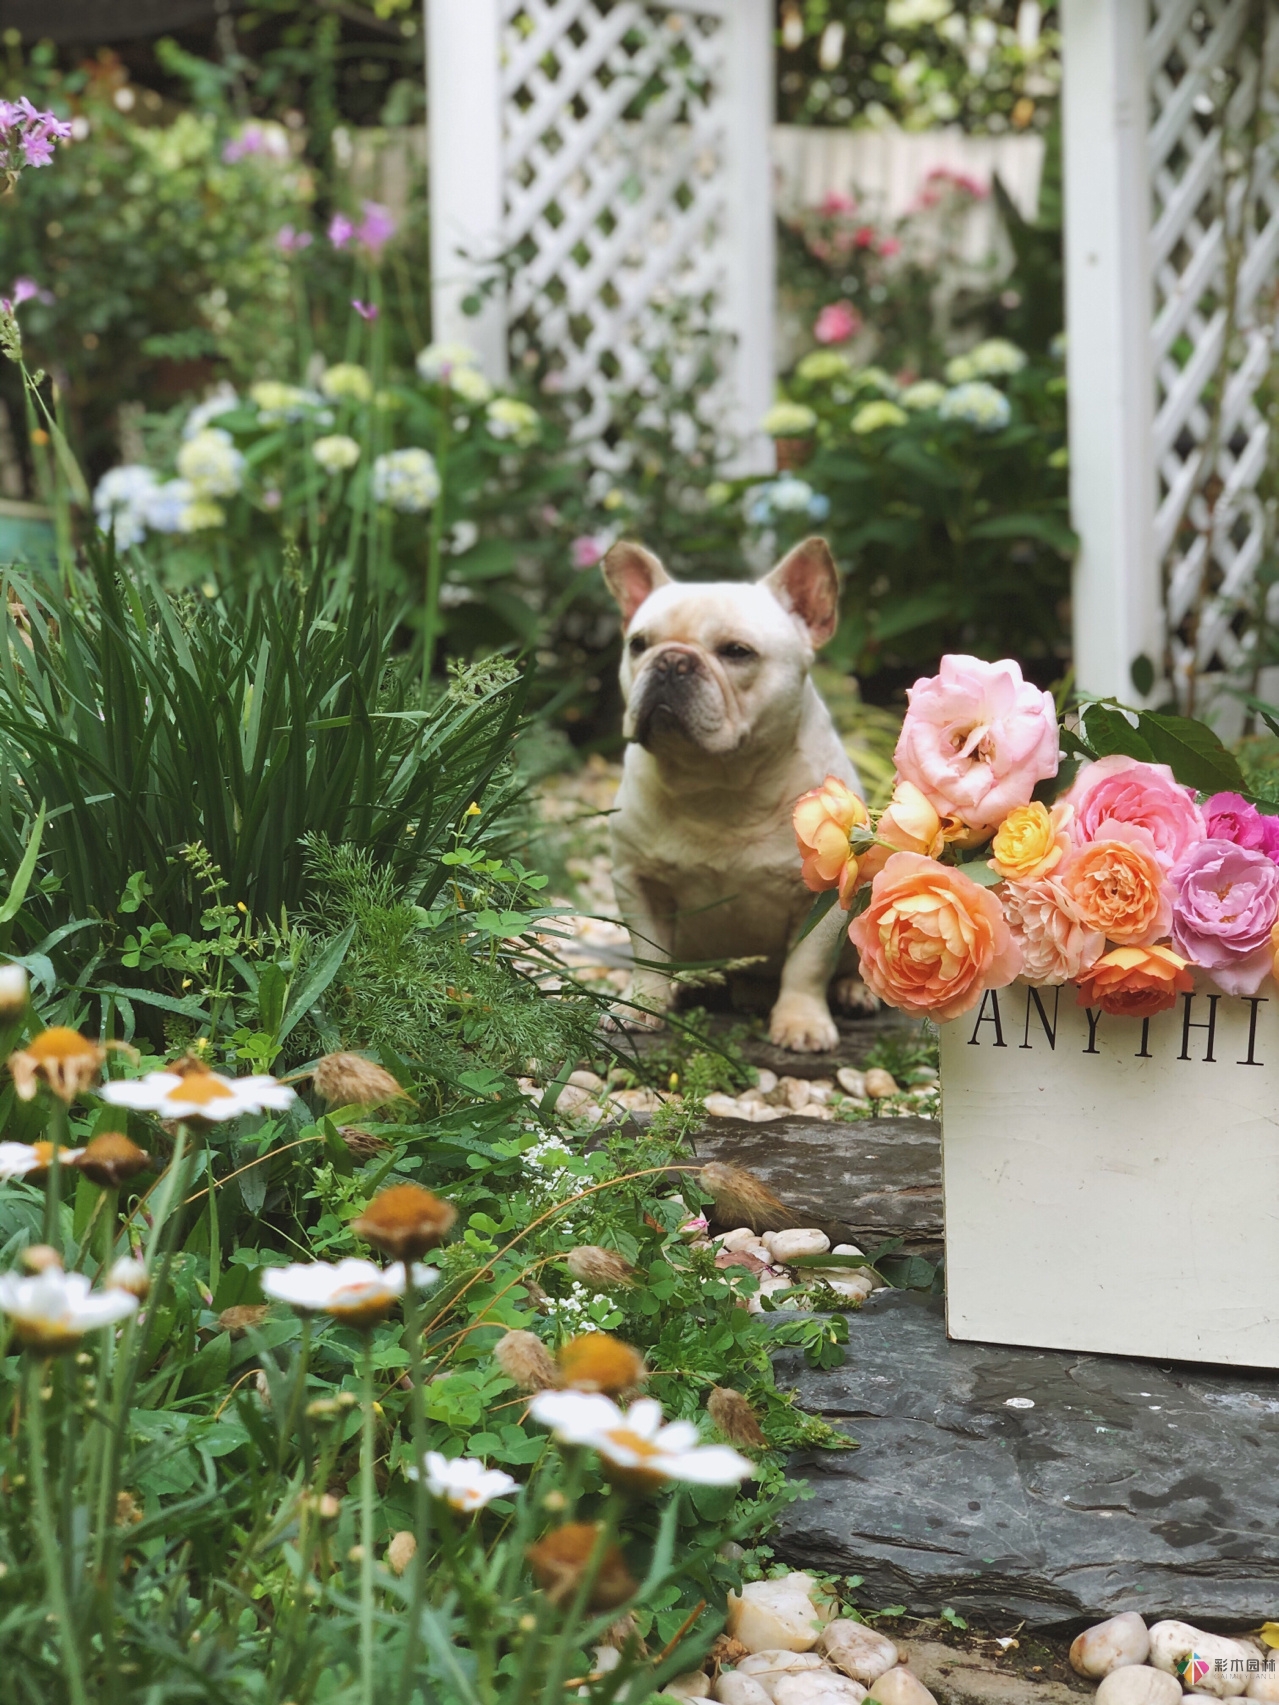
[[711, 667]]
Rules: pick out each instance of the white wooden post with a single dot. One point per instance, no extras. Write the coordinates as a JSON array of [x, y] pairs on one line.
[[1108, 315], [751, 284], [464, 114]]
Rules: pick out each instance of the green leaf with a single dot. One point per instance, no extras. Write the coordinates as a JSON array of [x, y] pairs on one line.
[[1109, 731], [136, 890], [22, 876], [1142, 672], [77, 490], [905, 614], [335, 1148], [1193, 752], [977, 870], [817, 911], [1072, 743], [308, 989], [1046, 528], [273, 990]]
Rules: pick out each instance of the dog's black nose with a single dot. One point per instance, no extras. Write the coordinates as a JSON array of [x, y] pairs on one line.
[[672, 664]]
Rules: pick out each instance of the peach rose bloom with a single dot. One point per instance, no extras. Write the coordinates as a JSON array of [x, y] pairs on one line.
[[931, 941], [1118, 885], [908, 823], [1031, 841], [1056, 944], [824, 819], [1136, 981], [975, 740]]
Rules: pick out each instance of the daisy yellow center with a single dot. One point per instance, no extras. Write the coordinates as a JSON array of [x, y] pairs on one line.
[[59, 1043], [200, 1088], [625, 1439]]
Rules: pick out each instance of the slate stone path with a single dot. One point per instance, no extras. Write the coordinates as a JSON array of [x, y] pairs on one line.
[[1127, 1486]]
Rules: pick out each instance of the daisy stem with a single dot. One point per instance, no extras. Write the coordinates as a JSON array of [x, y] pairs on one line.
[[50, 1550], [414, 1313], [215, 1252], [61, 1131], [367, 1446]]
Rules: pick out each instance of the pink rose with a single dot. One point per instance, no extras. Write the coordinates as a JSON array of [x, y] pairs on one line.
[[1230, 817], [1048, 927], [1125, 790], [1226, 906], [837, 322], [976, 739], [835, 202]]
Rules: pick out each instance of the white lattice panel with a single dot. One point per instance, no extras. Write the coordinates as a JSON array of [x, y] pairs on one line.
[[1214, 256], [623, 152]]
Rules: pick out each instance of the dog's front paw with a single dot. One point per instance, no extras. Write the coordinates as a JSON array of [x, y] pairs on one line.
[[803, 1024], [850, 994]]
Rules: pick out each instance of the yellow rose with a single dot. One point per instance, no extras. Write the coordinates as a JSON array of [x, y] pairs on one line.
[[1031, 841]]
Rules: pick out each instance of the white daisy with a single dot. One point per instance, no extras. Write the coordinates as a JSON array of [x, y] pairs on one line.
[[53, 1310], [199, 1094], [129, 1274], [19, 1159], [636, 1441], [464, 1483], [351, 1290]]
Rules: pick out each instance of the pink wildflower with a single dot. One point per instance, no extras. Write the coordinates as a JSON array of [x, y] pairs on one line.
[[835, 202], [375, 229], [837, 323], [366, 310], [888, 247], [291, 242], [585, 551], [341, 230]]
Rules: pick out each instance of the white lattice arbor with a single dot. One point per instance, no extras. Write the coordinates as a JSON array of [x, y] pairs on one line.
[[1172, 258], [592, 162]]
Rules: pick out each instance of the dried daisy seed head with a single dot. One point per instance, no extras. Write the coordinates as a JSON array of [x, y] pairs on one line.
[[735, 1418], [40, 1257], [241, 1316], [405, 1221], [524, 1358], [401, 1551], [597, 1362], [560, 1561], [742, 1199], [128, 1511], [624, 1630], [111, 1158], [362, 1144], [59, 1057], [603, 1268], [349, 1080]]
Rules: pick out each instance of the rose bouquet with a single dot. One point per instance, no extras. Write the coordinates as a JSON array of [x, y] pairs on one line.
[[1121, 856]]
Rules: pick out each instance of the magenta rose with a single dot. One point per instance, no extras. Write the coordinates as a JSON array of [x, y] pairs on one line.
[[976, 739], [1125, 790], [1230, 817], [1226, 906]]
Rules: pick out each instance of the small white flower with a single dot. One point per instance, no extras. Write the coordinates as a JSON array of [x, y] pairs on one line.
[[507, 417], [637, 1441], [278, 402], [120, 501], [212, 463], [438, 361], [352, 1290], [129, 1274], [464, 1483], [995, 358], [347, 381], [19, 1159], [177, 507], [199, 1095], [53, 1310], [789, 420], [977, 403], [14, 990], [336, 453], [470, 385], [406, 480], [923, 394], [221, 401]]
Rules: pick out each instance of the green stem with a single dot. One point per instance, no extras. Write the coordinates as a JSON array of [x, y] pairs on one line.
[[367, 1447], [48, 1540], [415, 1321], [60, 1129], [215, 1250]]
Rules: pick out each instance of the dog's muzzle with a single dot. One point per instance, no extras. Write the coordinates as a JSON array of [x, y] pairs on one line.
[[669, 683]]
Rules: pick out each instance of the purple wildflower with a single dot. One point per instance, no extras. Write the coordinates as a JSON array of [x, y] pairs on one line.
[[291, 242], [375, 229], [27, 290], [27, 136], [366, 310], [341, 230]]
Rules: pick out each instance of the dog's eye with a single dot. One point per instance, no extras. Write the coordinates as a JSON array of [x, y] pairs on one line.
[[638, 644], [735, 652]]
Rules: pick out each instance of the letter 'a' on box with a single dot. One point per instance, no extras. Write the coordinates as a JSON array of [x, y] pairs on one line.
[[1087, 1156]]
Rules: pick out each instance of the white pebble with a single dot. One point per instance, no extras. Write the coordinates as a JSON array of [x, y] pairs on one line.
[[880, 1084], [1266, 1685], [847, 1249], [852, 1082], [770, 1615], [1170, 1642], [777, 1659], [861, 1652], [736, 1239], [1134, 1684], [724, 1107], [786, 1245], [734, 1688], [816, 1110], [856, 1286], [817, 1687], [766, 1081], [586, 1080], [900, 1687], [693, 1684], [1110, 1646]]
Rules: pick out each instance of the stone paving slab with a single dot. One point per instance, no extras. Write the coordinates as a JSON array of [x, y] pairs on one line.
[[1042, 1484], [861, 1183]]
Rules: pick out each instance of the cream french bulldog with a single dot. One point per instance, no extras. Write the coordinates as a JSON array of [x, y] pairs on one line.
[[725, 731]]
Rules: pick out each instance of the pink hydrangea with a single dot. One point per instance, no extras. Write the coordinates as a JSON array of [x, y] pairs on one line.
[[1125, 790], [837, 323], [1226, 905], [976, 739], [1230, 817], [1056, 944]]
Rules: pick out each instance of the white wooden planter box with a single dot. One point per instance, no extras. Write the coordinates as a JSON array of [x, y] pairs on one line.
[[1112, 1184]]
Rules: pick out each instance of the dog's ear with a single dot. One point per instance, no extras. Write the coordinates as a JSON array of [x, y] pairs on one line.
[[631, 573], [806, 582]]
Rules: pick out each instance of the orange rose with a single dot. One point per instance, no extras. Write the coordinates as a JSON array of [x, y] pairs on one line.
[[824, 820], [1136, 981], [931, 941], [909, 824], [1118, 885]]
